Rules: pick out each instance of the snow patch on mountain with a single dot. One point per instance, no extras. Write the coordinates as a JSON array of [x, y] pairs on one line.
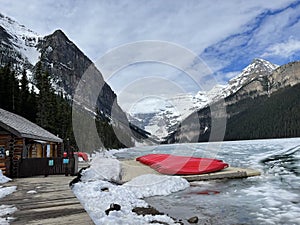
[[258, 68], [24, 40]]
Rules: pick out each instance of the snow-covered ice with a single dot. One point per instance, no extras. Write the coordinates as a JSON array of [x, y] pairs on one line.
[[97, 193]]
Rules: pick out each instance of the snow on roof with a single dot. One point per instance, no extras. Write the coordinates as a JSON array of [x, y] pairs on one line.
[[22, 127]]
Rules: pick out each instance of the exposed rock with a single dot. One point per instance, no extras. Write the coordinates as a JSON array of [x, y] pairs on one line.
[[193, 219], [146, 211], [105, 189], [113, 207], [159, 222], [78, 176]]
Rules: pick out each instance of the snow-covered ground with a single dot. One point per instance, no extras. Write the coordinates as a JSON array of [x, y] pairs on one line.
[[97, 192], [5, 209]]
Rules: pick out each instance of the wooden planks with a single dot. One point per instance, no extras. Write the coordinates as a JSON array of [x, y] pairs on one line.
[[53, 202], [133, 168]]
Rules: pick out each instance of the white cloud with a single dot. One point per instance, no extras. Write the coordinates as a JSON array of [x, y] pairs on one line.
[[97, 26], [285, 49]]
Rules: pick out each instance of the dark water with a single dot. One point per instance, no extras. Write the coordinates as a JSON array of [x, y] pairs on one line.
[[272, 198]]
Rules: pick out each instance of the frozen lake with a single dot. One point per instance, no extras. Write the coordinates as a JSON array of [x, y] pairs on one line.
[[272, 198]]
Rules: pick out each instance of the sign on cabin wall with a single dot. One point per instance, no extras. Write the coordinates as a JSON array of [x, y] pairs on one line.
[[51, 162]]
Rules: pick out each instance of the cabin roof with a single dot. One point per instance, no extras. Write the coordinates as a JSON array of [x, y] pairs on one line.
[[22, 127]]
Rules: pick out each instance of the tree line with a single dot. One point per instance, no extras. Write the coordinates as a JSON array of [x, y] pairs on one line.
[[277, 116], [263, 117]]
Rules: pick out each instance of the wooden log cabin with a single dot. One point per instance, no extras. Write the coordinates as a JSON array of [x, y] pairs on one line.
[[26, 149]]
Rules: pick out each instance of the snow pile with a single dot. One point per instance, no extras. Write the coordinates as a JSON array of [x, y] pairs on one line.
[[4, 191], [32, 192], [3, 179], [151, 184], [96, 193], [7, 190], [103, 167], [6, 210]]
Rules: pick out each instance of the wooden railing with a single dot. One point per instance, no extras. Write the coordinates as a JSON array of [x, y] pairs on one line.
[[40, 166]]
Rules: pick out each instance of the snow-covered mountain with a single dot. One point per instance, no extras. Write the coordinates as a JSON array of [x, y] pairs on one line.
[[165, 120], [18, 44], [24, 49]]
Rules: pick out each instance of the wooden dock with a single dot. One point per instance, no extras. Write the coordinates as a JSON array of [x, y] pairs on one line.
[[133, 168], [45, 200]]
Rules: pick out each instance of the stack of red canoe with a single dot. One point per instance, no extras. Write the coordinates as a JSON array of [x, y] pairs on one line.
[[181, 165]]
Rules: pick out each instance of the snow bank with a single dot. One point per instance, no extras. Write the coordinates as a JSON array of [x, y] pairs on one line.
[[152, 184], [7, 191], [103, 167], [3, 179], [5, 209], [96, 193]]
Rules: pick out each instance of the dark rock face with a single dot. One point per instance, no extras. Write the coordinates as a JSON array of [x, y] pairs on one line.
[[67, 64], [63, 60]]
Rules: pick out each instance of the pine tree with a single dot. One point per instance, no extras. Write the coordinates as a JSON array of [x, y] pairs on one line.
[[45, 102], [32, 104], [9, 89], [25, 107]]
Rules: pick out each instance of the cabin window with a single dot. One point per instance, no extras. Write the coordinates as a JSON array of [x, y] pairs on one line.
[[48, 152]]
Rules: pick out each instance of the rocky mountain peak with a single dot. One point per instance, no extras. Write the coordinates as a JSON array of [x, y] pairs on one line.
[[65, 62], [258, 67], [60, 34]]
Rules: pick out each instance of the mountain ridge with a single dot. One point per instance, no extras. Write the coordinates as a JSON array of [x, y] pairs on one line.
[[183, 105], [258, 96]]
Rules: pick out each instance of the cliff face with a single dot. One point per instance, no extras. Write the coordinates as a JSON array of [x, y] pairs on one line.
[[286, 75], [67, 64]]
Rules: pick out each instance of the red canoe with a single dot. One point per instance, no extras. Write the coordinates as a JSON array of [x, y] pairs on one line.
[[181, 165], [83, 155]]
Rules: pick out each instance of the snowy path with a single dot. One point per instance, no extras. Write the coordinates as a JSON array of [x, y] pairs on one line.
[[45, 200]]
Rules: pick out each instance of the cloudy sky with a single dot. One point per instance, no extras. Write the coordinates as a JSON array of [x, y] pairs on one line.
[[226, 35]]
